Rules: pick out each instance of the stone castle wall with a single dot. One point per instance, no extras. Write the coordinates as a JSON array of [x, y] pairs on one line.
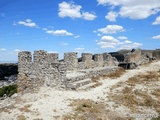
[[137, 57], [156, 53], [45, 68]]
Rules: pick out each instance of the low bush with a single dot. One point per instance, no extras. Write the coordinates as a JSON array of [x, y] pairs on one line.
[[8, 90]]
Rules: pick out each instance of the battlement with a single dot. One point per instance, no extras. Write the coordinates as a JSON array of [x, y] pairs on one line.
[[44, 68]]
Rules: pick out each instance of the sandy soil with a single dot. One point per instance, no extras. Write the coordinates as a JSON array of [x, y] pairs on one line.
[[50, 104]]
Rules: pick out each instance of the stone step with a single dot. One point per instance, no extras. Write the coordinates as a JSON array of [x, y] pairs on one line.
[[87, 86], [76, 78], [77, 84]]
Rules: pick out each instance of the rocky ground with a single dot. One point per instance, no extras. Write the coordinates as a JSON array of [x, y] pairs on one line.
[[50, 104]]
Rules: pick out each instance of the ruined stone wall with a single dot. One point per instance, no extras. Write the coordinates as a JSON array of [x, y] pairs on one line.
[[86, 62], [109, 60], [44, 70], [98, 60], [71, 60], [156, 54], [52, 57], [147, 53], [137, 57], [133, 56]]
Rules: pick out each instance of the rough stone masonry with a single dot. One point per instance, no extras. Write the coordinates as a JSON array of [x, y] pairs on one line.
[[45, 68]]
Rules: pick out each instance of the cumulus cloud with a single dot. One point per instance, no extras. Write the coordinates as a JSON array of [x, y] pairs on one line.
[[156, 37], [111, 16], [122, 38], [108, 42], [157, 21], [127, 41], [110, 29], [28, 23], [2, 49], [131, 46], [79, 49], [16, 51], [59, 32], [113, 43], [69, 10], [52, 51], [64, 44], [88, 16], [74, 11], [134, 9], [77, 36]]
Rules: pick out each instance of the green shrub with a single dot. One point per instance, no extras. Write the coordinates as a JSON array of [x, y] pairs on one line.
[[8, 90]]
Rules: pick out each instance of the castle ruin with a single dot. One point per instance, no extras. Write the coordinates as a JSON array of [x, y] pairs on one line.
[[45, 69], [72, 73]]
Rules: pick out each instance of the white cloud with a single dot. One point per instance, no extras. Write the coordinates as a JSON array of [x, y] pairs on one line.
[[134, 9], [69, 10], [52, 51], [105, 2], [157, 21], [122, 38], [94, 31], [111, 42], [79, 49], [127, 41], [74, 11], [77, 36], [111, 16], [16, 51], [131, 46], [88, 16], [59, 32], [2, 49], [156, 37], [110, 29], [108, 42], [27, 22], [64, 44], [45, 29], [99, 35]]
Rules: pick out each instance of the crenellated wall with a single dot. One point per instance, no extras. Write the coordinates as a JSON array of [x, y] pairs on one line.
[[45, 68]]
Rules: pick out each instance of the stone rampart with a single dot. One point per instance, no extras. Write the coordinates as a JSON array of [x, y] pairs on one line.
[[156, 53], [45, 68]]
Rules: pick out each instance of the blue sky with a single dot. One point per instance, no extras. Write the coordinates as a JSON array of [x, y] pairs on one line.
[[94, 26]]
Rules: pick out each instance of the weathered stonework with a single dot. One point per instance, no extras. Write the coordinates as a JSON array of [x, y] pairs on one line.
[[42, 71], [156, 54], [87, 59], [98, 60], [45, 68], [109, 60], [138, 57], [71, 60], [133, 56]]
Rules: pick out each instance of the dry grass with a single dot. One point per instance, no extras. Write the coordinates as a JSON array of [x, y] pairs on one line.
[[133, 98], [116, 74], [147, 78], [86, 109], [96, 81]]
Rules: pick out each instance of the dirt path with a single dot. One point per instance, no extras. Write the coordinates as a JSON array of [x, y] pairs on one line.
[[50, 104]]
